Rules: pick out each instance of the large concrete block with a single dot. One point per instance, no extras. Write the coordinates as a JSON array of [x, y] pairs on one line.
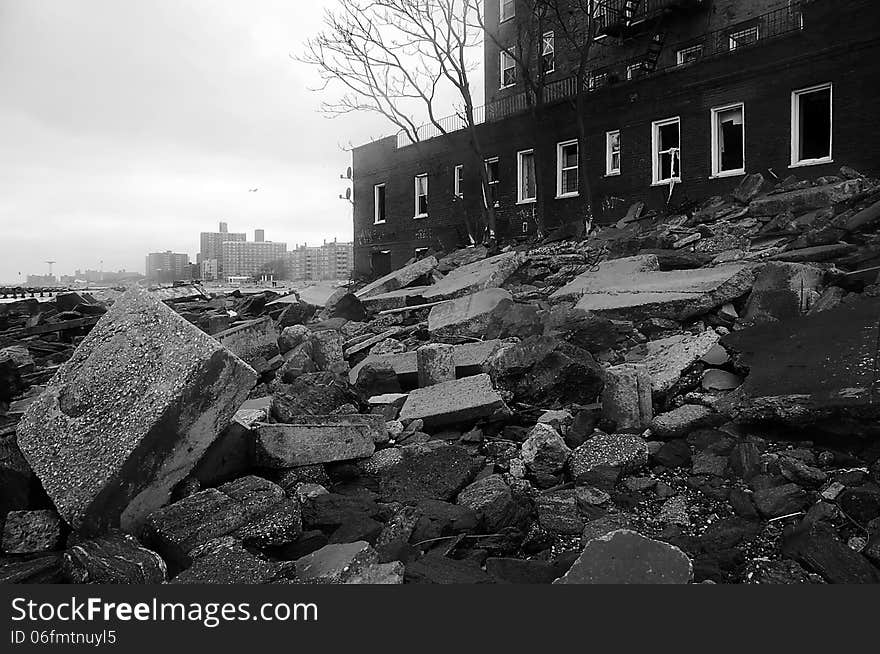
[[668, 358], [806, 199], [783, 290], [468, 315], [454, 402], [476, 276], [608, 272], [318, 439], [254, 342], [399, 278], [132, 411]]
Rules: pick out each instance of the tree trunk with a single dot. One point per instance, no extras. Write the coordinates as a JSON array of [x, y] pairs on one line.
[[583, 169]]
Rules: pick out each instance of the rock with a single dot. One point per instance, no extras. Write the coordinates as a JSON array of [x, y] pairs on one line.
[[783, 290], [314, 394], [297, 313], [674, 454], [675, 511], [544, 451], [558, 512], [38, 570], [494, 500], [326, 348], [231, 455], [348, 307], [750, 187], [782, 500], [707, 463], [437, 569], [291, 337], [683, 420], [815, 545], [436, 363], [280, 526], [522, 571], [668, 358], [603, 458], [468, 315], [475, 277], [413, 473], [800, 473], [115, 558], [438, 518], [398, 279], [29, 532], [379, 574], [319, 439], [607, 272], [130, 414], [626, 399], [254, 342], [862, 504], [806, 199], [393, 541], [226, 561], [16, 478], [626, 557], [781, 572], [457, 402], [335, 563], [332, 510]]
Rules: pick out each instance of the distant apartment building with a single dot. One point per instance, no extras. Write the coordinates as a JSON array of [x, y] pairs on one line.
[[41, 280], [166, 267], [242, 258], [210, 257], [328, 261]]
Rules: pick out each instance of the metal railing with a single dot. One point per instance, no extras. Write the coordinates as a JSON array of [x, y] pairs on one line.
[[740, 36]]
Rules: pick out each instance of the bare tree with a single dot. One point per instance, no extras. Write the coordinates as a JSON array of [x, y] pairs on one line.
[[394, 57]]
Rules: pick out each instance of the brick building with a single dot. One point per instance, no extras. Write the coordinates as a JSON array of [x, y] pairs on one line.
[[332, 260], [248, 258], [684, 98], [210, 256], [167, 267]]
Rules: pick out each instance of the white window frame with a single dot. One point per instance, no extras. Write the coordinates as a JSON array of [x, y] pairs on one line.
[[632, 70], [493, 184], [416, 179], [796, 162], [501, 3], [560, 169], [731, 38], [610, 170], [655, 153], [376, 220], [458, 180], [551, 51], [501, 69], [715, 131], [679, 58], [520, 180]]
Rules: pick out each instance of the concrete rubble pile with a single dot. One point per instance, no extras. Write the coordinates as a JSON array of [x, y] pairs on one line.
[[678, 398]]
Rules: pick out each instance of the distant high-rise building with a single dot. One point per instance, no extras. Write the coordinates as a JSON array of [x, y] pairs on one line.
[[166, 267], [259, 235], [210, 257], [246, 259], [328, 261]]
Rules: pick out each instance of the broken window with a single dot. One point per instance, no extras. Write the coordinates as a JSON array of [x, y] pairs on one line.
[[506, 10], [492, 172], [811, 125], [548, 52], [567, 169], [743, 37], [459, 181], [728, 140], [666, 149], [379, 204], [527, 191], [688, 55], [508, 70], [612, 153], [421, 192]]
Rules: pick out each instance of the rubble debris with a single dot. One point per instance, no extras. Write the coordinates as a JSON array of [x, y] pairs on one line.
[[143, 381], [607, 273], [226, 561], [255, 342], [436, 364], [683, 420], [30, 532], [320, 439], [335, 564], [469, 314], [626, 399], [115, 558], [605, 457], [783, 290], [398, 279], [475, 277], [668, 358], [460, 401]]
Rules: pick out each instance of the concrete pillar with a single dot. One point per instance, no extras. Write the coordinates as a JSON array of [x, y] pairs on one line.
[[436, 364], [626, 400]]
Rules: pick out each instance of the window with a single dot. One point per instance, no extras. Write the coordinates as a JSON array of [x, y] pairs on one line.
[[688, 55], [811, 115], [728, 141], [636, 70], [597, 81], [458, 185], [548, 52], [420, 252], [527, 188], [612, 153], [507, 10], [666, 159], [378, 204], [567, 169], [421, 196], [508, 70], [743, 37], [492, 171], [600, 20]]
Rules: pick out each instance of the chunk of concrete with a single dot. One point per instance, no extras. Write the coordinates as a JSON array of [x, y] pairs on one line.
[[675, 294], [436, 363], [130, 414], [254, 342], [626, 398], [398, 278], [667, 358], [802, 200], [683, 420], [318, 439], [612, 272], [114, 558], [476, 276], [605, 457], [336, 564], [627, 557], [783, 290], [398, 299], [227, 561], [467, 315], [457, 402], [30, 532]]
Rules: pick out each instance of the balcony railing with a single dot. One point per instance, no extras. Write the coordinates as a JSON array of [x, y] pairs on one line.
[[619, 15], [734, 38]]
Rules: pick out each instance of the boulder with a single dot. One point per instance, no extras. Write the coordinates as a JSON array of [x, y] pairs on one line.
[[783, 290], [604, 457], [130, 414], [544, 452], [495, 502], [30, 532], [114, 558]]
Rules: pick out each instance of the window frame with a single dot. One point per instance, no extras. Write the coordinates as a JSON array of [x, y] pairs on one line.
[[691, 48], [501, 17], [502, 54], [635, 70], [416, 179], [610, 170], [560, 169], [731, 40], [520, 186], [458, 181], [655, 153], [376, 188], [796, 131], [493, 184], [552, 52], [715, 150]]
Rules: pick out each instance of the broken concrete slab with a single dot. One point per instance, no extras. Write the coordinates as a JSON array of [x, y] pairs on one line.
[[321, 440], [398, 279], [468, 315], [114, 558], [607, 273], [398, 299], [226, 561], [31, 532], [627, 557], [626, 398], [457, 402], [130, 414], [783, 290], [335, 564], [254, 342], [675, 294], [476, 276], [683, 420], [802, 200], [667, 358]]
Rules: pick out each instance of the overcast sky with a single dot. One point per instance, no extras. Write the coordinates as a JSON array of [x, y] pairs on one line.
[[129, 126]]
